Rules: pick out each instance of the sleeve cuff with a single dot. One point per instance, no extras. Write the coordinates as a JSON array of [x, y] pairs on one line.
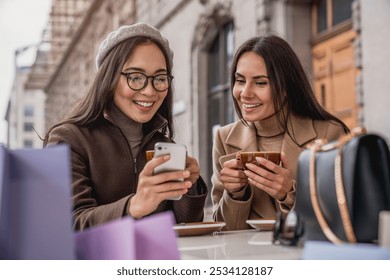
[[199, 188], [289, 202], [242, 194], [126, 211]]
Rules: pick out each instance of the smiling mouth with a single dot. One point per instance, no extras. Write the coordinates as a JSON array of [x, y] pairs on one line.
[[250, 106], [144, 104]]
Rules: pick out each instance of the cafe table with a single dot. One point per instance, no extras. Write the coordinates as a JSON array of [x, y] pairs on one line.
[[235, 245]]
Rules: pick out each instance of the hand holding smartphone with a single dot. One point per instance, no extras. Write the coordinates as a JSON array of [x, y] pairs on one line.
[[177, 161]]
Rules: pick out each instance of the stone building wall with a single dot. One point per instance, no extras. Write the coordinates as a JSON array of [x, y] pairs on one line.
[[372, 56]]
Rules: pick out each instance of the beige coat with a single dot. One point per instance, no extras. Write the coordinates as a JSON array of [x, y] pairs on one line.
[[237, 137]]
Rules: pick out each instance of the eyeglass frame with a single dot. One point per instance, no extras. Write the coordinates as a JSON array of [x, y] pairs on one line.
[[169, 77]]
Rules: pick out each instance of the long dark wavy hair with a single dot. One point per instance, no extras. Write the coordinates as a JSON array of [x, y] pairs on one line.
[[288, 81], [89, 110]]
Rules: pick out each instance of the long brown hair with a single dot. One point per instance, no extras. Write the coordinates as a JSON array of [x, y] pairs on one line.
[[289, 83], [89, 110]]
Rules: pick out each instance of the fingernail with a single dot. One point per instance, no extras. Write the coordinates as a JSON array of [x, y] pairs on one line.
[[187, 184], [186, 174], [166, 157]]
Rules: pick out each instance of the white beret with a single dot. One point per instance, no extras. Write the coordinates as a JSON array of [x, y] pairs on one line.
[[128, 31]]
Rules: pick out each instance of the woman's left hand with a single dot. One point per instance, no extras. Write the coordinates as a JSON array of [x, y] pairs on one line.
[[276, 181], [193, 167]]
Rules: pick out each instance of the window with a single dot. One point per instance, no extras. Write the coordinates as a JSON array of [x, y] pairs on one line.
[[220, 56], [321, 16], [28, 111], [28, 127], [341, 10], [330, 13], [28, 143], [220, 108], [323, 96]]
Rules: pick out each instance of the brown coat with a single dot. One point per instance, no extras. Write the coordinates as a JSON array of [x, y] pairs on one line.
[[105, 173], [237, 137]]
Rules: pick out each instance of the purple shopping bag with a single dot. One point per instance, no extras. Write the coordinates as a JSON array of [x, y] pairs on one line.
[[151, 238], [112, 241], [156, 238], [35, 204]]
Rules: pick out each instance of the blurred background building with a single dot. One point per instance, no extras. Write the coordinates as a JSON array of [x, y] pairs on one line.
[[26, 107], [343, 45]]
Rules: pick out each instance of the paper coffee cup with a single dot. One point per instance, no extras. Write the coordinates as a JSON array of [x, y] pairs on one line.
[[149, 154]]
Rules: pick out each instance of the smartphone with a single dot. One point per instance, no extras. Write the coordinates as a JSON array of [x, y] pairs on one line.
[[178, 153]]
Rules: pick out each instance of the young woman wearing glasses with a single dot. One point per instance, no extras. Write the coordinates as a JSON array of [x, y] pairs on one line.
[[126, 111], [277, 111]]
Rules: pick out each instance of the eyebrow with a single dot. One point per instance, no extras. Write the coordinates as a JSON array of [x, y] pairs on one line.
[[136, 69], [254, 77]]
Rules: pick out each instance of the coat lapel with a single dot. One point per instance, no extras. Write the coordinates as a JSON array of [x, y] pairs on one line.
[[242, 137], [302, 130]]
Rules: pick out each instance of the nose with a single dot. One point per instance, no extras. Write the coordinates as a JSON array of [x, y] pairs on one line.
[[246, 91], [148, 89]]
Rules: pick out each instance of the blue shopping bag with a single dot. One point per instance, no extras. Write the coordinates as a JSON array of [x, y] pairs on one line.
[[35, 204]]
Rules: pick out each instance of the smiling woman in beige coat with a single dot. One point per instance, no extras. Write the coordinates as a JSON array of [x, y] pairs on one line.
[[277, 111]]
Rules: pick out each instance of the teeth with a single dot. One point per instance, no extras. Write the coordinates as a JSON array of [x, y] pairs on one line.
[[250, 105], [144, 104]]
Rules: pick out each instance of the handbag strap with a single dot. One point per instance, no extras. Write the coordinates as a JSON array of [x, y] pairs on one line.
[[314, 199], [341, 198]]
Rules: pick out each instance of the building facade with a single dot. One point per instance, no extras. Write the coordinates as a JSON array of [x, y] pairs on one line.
[[26, 107], [25, 113]]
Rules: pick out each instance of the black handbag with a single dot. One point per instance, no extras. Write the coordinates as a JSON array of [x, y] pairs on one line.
[[342, 186]]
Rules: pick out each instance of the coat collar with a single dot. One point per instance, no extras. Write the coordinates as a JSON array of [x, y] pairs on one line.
[[243, 137], [157, 123]]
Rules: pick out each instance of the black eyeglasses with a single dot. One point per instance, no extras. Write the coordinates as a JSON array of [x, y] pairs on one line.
[[139, 81], [288, 229]]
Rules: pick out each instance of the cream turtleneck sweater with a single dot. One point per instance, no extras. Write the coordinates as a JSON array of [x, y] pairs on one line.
[[269, 134]]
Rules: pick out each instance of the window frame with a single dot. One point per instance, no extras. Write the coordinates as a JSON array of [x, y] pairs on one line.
[[331, 30]]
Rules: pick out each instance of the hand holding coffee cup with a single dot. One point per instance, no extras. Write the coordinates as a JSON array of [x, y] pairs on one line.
[[274, 180], [250, 157]]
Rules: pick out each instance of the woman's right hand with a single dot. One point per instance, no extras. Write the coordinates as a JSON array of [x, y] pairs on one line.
[[153, 189], [232, 176]]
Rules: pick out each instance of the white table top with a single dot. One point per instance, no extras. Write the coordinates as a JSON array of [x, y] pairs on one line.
[[241, 244]]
